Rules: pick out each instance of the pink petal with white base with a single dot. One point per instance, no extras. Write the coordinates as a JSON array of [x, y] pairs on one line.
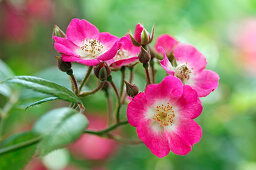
[[177, 144], [79, 30], [170, 88], [205, 82], [88, 62], [189, 104], [111, 44], [136, 109], [155, 140], [187, 54], [167, 42], [63, 45], [165, 63]]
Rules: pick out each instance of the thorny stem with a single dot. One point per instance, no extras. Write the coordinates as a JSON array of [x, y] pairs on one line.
[[36, 140], [147, 73], [4, 113], [86, 77], [99, 87]]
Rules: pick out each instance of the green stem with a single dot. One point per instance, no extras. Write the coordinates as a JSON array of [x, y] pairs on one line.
[[99, 87], [147, 73], [124, 141], [131, 77], [19, 146], [74, 83], [103, 132], [122, 81], [86, 77], [118, 101], [110, 106], [36, 140], [12, 100]]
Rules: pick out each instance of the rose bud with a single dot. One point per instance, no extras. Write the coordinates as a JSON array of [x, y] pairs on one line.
[[58, 32], [144, 56], [63, 66], [131, 89], [141, 36], [102, 71]]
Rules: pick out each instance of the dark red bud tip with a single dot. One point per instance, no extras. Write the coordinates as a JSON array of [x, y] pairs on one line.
[[63, 66], [102, 71], [131, 89], [144, 56]]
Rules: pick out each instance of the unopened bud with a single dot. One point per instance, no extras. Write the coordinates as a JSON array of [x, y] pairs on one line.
[[145, 37], [58, 32], [135, 43], [131, 89], [152, 34], [144, 56], [63, 66], [102, 71]]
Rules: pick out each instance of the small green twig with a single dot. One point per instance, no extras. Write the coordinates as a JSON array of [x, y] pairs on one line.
[[74, 83], [124, 141], [103, 132], [36, 140], [118, 101], [131, 77], [147, 73], [122, 81], [19, 146], [86, 77], [110, 106], [99, 87], [4, 113]]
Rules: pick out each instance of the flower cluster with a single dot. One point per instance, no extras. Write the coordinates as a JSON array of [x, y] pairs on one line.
[[163, 113]]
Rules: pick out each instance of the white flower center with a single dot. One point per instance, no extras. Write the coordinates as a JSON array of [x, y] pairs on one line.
[[183, 72], [92, 48], [121, 54], [164, 115]]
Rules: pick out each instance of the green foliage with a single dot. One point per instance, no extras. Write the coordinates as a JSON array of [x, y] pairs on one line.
[[45, 86], [59, 127], [5, 72], [41, 101], [17, 159]]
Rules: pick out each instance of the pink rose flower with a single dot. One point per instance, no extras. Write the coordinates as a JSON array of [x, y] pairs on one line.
[[127, 54], [163, 116], [85, 44], [91, 146], [189, 67], [167, 42]]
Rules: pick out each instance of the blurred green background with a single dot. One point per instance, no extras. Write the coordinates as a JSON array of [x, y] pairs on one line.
[[223, 30]]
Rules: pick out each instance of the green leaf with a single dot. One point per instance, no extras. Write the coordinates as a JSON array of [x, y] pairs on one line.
[[45, 86], [5, 90], [5, 71], [59, 127], [41, 101], [18, 158]]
